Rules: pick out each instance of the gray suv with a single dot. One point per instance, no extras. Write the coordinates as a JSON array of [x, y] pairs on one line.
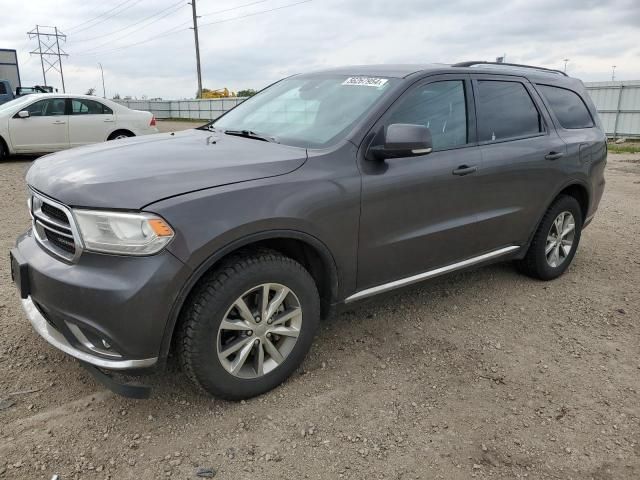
[[228, 243]]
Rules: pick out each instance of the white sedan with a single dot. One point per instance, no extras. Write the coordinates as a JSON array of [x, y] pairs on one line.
[[50, 122]]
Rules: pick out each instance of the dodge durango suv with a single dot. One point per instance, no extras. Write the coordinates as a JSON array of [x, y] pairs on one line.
[[226, 244]]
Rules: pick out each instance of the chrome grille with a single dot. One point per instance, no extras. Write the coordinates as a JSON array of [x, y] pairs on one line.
[[55, 228]]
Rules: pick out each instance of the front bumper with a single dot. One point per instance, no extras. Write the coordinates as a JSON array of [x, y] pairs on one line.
[[55, 338], [105, 310]]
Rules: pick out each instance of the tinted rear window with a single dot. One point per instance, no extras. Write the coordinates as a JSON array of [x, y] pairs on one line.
[[3, 89], [567, 106], [505, 110]]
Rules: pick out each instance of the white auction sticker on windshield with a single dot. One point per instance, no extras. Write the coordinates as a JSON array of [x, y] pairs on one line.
[[365, 81]]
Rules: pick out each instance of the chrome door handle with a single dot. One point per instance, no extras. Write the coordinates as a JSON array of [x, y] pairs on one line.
[[554, 155], [59, 122], [465, 170], [109, 120]]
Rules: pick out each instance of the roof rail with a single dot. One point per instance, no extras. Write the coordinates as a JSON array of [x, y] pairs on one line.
[[482, 62]]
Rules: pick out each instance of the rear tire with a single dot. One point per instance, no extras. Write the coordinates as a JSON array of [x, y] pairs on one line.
[[555, 242], [227, 313], [120, 134]]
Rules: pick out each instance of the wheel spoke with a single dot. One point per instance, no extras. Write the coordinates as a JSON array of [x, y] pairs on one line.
[[273, 351], [231, 324], [286, 316], [264, 299], [235, 346], [276, 302], [241, 358], [286, 331], [259, 360], [568, 228], [550, 244], [244, 310]]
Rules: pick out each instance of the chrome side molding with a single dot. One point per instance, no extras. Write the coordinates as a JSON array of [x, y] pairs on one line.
[[369, 292]]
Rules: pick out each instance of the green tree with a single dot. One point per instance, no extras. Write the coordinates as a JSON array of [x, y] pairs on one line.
[[249, 92]]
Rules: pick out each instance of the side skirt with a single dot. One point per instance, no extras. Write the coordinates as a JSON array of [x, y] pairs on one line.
[[369, 292]]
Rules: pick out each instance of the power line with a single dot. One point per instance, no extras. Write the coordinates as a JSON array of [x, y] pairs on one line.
[[174, 8], [95, 18], [178, 28], [104, 19], [166, 33], [110, 42], [234, 8], [255, 13]]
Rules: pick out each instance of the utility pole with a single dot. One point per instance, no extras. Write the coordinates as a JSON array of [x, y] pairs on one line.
[[104, 92], [195, 34], [613, 73], [566, 60], [49, 46]]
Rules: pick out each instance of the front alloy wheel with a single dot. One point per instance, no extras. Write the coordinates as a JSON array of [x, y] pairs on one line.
[[249, 324], [259, 331]]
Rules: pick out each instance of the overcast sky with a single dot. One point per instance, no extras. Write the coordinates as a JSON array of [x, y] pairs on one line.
[[130, 38]]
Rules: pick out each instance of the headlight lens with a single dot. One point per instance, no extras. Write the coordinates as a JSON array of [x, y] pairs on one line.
[[123, 233]]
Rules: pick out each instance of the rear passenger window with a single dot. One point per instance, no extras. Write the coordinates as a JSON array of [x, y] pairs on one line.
[[439, 106], [81, 106], [505, 110], [567, 106], [3, 89]]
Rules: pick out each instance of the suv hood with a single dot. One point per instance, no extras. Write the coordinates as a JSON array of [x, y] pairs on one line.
[[135, 172]]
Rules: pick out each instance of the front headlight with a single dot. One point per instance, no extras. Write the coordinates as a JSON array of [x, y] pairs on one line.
[[122, 233]]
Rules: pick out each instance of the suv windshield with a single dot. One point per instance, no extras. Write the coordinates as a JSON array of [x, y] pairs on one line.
[[310, 111]]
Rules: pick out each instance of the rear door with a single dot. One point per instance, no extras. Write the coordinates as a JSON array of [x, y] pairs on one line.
[[44, 130], [521, 160], [419, 213], [90, 121]]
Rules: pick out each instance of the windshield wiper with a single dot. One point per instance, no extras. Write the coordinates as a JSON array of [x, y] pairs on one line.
[[250, 134]]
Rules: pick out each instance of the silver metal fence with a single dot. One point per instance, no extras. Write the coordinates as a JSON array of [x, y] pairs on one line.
[[618, 104], [188, 109]]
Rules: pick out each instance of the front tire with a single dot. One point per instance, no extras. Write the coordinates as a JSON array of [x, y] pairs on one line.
[[248, 325], [555, 242]]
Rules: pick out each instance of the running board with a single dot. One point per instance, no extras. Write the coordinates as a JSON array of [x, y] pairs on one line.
[[369, 292]]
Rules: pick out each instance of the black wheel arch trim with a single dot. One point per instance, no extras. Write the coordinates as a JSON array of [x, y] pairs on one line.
[[325, 254], [556, 194]]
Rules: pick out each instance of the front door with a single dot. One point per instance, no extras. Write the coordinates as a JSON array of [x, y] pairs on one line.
[[419, 213], [46, 129]]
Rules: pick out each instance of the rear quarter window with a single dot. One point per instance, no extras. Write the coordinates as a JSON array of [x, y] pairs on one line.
[[567, 106]]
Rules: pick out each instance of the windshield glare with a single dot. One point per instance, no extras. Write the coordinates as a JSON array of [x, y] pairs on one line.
[[310, 111]]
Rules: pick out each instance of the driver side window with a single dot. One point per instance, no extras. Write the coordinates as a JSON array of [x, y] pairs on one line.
[[439, 106], [47, 108]]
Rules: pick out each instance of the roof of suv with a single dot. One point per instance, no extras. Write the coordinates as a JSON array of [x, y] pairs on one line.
[[406, 70]]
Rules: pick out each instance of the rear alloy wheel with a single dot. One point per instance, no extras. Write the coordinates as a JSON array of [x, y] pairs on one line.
[[556, 240], [4, 154], [248, 325]]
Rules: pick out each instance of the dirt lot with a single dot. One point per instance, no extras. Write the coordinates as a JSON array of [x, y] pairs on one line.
[[480, 374]]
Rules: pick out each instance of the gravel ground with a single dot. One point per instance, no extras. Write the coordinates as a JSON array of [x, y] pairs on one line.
[[480, 374]]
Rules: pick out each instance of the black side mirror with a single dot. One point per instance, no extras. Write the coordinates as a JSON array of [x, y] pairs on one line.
[[403, 140]]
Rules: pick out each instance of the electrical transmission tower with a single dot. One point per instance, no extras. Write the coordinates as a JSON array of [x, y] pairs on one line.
[[49, 46]]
